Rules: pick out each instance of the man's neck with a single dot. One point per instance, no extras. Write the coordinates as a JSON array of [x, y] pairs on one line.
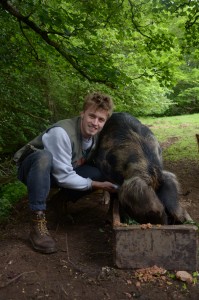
[[87, 138]]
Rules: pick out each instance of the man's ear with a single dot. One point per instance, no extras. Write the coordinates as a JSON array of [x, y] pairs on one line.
[[82, 114]]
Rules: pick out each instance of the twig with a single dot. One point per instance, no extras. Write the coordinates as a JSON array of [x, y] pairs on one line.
[[63, 290], [2, 285], [69, 260]]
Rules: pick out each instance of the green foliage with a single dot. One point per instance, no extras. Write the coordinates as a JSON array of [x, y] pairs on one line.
[[7, 170], [126, 219], [23, 110], [10, 194], [11, 190], [192, 223], [92, 36], [185, 94], [195, 277]]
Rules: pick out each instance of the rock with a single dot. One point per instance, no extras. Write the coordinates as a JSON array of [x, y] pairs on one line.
[[184, 276]]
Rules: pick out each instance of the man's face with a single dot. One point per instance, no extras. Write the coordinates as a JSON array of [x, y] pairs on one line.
[[92, 121]]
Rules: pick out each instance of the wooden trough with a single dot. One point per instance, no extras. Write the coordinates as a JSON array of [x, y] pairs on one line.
[[172, 247]]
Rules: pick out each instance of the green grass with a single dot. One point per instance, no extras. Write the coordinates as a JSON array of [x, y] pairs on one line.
[[177, 134]]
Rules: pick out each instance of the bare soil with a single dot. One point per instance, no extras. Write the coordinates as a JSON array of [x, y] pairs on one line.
[[83, 267]]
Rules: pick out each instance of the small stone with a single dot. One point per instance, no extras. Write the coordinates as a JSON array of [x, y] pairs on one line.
[[129, 281], [184, 276], [138, 284]]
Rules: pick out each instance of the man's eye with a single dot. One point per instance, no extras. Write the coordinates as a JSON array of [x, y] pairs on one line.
[[101, 120]]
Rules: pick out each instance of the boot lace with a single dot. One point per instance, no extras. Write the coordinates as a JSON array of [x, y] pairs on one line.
[[41, 224], [42, 227]]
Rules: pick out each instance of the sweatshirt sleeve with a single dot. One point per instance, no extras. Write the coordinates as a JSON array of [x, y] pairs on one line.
[[57, 141]]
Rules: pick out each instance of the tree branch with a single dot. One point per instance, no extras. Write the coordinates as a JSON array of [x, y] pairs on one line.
[[135, 25], [36, 55], [44, 35], [189, 24]]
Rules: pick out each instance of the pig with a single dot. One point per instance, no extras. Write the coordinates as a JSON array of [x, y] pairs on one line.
[[129, 155]]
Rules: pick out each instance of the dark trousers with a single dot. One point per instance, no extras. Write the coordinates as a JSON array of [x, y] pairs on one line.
[[35, 173]]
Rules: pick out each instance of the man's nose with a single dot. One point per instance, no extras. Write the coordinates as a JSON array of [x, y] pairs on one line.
[[95, 121]]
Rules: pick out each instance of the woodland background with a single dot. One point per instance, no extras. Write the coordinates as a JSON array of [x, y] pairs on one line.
[[144, 53]]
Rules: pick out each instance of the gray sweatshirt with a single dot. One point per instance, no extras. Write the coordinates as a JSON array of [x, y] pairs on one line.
[[57, 141]]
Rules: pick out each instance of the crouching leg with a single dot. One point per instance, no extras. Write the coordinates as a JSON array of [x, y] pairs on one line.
[[168, 194]]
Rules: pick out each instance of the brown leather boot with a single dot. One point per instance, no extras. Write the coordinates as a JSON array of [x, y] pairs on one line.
[[39, 235]]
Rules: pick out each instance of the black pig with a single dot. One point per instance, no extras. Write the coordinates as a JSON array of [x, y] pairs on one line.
[[129, 155]]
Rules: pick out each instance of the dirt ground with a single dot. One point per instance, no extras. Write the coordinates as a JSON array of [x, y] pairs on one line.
[[83, 267]]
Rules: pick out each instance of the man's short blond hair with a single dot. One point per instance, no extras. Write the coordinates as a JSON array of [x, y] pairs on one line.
[[100, 101]]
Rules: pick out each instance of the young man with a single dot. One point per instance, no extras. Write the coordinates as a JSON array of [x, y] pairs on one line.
[[59, 157]]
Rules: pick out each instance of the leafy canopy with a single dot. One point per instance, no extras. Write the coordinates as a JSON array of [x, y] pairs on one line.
[[92, 35]]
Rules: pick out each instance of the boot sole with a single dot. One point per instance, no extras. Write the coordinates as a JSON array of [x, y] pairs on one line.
[[42, 250]]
